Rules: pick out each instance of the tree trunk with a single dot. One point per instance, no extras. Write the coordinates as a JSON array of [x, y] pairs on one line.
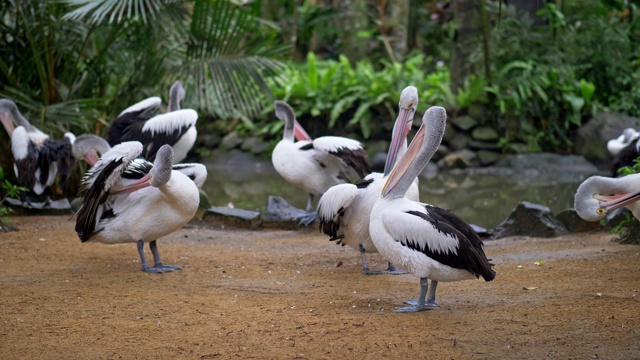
[[353, 19], [468, 20], [400, 11]]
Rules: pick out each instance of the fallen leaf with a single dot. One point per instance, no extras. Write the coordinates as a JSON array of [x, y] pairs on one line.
[[520, 267], [530, 287]]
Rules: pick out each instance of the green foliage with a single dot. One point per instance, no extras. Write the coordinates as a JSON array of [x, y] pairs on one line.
[[351, 96], [630, 170], [7, 189]]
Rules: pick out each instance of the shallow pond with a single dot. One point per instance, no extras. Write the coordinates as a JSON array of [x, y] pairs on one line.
[[484, 197]]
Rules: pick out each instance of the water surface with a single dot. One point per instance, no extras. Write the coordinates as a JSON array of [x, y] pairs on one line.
[[484, 197]]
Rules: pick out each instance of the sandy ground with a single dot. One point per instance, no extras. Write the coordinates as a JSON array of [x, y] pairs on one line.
[[287, 294]]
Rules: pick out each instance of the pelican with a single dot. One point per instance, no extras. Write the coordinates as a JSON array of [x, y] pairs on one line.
[[314, 165], [616, 145], [430, 242], [347, 207], [131, 200], [87, 147], [39, 159], [176, 127], [626, 156], [598, 195]]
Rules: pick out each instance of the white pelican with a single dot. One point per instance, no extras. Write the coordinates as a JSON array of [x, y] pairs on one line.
[[314, 165], [430, 242], [599, 195], [347, 207], [176, 127], [615, 145], [38, 158], [87, 147], [129, 200]]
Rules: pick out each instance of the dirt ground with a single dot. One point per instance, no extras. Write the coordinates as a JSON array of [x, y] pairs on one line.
[[285, 294]]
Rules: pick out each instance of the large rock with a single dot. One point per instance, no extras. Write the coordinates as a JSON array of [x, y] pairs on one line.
[[591, 139], [459, 160], [485, 133], [231, 140], [280, 214], [529, 219], [488, 157], [574, 223], [460, 141], [227, 217], [463, 122]]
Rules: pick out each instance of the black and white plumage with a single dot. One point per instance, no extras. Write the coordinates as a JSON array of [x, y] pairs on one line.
[[430, 242], [131, 200], [344, 210], [88, 146], [616, 145], [626, 156], [39, 159], [315, 165], [598, 195], [138, 123]]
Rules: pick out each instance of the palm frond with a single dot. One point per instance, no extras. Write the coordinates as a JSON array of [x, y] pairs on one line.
[[115, 10], [229, 56]]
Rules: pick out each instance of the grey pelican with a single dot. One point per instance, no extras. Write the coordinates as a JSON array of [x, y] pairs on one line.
[[599, 195], [430, 242], [39, 159], [176, 127], [347, 207], [131, 200], [314, 165]]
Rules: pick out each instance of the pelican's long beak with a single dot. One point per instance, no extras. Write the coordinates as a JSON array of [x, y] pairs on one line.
[[299, 131], [139, 184], [91, 157], [617, 201], [7, 122], [405, 163], [400, 132]]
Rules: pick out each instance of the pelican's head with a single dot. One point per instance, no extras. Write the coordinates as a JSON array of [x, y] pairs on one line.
[[7, 109], [292, 128], [597, 196], [407, 108], [87, 147], [161, 171], [176, 94]]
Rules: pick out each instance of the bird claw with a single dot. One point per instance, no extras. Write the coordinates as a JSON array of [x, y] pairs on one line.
[[427, 304], [308, 218], [410, 309], [160, 268]]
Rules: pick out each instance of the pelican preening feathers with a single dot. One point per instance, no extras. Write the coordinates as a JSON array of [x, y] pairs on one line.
[[131, 200], [346, 208], [39, 159], [176, 127], [598, 195], [430, 242], [314, 165]]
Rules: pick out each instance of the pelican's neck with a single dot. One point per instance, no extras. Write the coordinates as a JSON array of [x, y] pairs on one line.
[[176, 94], [289, 123], [433, 137], [20, 120]]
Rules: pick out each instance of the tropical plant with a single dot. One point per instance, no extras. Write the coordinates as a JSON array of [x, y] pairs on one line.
[[7, 189], [348, 96]]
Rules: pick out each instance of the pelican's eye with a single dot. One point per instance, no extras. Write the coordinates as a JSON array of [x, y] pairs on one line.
[[601, 211], [410, 105]]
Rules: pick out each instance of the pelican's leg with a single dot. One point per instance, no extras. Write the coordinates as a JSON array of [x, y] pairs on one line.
[[158, 262], [431, 299], [310, 216], [424, 284], [390, 270]]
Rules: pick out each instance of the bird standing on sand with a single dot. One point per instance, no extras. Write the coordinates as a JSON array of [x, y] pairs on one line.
[[346, 208], [430, 242], [132, 200], [314, 165]]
